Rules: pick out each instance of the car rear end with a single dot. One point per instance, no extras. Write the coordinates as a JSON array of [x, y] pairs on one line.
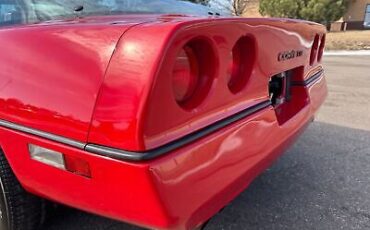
[[190, 111]]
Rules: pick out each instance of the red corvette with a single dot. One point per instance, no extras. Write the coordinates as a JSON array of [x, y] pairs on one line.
[[157, 113]]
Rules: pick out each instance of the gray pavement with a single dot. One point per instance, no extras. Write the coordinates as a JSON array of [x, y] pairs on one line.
[[322, 182], [348, 103]]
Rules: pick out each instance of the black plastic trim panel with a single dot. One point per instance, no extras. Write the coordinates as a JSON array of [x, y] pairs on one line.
[[310, 80], [150, 154], [46, 135], [140, 156]]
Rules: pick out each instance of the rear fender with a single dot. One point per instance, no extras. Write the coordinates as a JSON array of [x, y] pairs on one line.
[[136, 109]]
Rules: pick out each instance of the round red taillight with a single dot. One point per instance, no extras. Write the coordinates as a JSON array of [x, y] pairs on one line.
[[321, 49], [314, 49], [185, 75], [243, 58], [193, 72]]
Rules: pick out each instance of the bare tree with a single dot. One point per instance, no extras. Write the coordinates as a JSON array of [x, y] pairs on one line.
[[203, 2], [235, 7]]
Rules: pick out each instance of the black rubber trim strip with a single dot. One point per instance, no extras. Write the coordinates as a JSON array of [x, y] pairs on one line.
[[310, 80], [139, 156], [42, 134], [150, 154]]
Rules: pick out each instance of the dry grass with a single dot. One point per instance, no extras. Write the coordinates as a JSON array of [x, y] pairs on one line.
[[252, 10], [349, 40]]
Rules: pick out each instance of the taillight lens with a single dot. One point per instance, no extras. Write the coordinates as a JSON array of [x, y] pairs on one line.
[[185, 75], [321, 49], [243, 58], [59, 160], [314, 50], [77, 166], [193, 72]]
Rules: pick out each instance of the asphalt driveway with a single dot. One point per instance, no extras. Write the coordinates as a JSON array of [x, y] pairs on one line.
[[322, 182]]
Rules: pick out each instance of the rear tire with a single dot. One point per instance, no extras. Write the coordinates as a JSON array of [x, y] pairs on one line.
[[19, 210]]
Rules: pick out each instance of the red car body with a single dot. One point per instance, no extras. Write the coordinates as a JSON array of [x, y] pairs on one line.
[[99, 89]]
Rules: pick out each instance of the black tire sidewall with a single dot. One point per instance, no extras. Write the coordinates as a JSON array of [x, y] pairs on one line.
[[4, 215]]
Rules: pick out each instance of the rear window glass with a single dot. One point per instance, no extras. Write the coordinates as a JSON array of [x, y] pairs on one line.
[[7, 11], [34, 11]]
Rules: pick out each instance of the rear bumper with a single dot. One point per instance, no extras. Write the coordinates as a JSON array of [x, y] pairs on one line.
[[179, 190]]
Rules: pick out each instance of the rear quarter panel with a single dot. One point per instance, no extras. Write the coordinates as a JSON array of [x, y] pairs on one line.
[[50, 75]]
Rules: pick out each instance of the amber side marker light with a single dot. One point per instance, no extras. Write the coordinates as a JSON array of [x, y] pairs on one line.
[[59, 160]]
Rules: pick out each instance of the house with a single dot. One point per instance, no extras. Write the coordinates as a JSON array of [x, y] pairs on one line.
[[357, 16]]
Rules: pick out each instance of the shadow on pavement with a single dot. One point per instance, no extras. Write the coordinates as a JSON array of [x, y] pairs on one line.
[[322, 182]]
